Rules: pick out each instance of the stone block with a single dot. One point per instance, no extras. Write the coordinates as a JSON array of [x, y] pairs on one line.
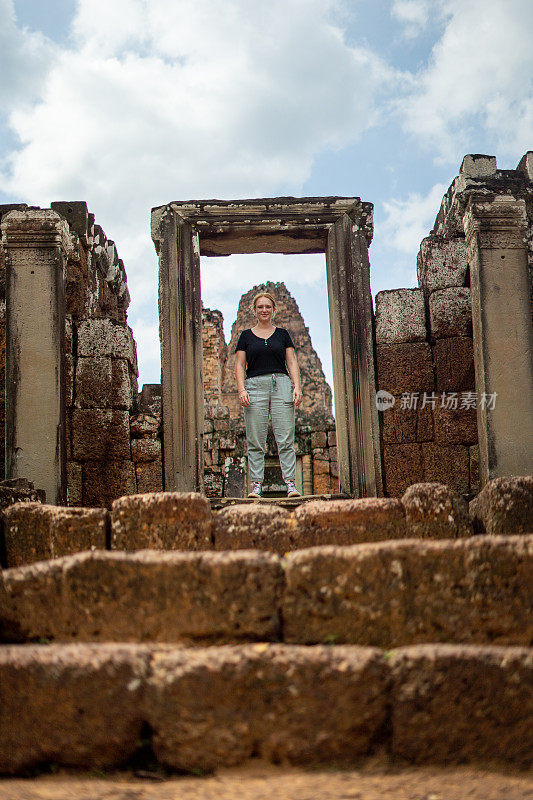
[[475, 590], [144, 426], [345, 522], [105, 482], [18, 490], [441, 263], [400, 316], [145, 450], [284, 704], [332, 438], [403, 466], [478, 166], [76, 214], [403, 425], [213, 483], [35, 532], [173, 597], [454, 365], [74, 483], [105, 337], [405, 367], [321, 477], [455, 425], [525, 165], [319, 439], [433, 511], [100, 435], [161, 521], [452, 704], [475, 482], [450, 312], [69, 379], [75, 705], [32, 606], [448, 465], [235, 480], [257, 527], [149, 477], [504, 506], [103, 383]]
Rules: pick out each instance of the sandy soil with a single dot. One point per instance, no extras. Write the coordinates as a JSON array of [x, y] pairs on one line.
[[258, 781]]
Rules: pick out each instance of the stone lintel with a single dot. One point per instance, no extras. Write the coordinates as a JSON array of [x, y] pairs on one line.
[[277, 225], [503, 333]]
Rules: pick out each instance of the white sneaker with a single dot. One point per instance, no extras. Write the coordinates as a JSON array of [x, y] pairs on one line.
[[257, 489], [292, 491]]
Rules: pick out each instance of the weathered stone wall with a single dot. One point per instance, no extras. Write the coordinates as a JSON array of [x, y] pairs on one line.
[[101, 364], [100, 369], [215, 353], [425, 360], [425, 353]]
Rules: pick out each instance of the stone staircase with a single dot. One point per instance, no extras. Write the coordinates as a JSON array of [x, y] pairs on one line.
[[313, 636]]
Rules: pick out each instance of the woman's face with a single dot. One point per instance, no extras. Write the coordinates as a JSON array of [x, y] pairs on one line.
[[264, 309]]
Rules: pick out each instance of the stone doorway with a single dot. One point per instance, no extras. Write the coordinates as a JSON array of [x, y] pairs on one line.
[[337, 226]]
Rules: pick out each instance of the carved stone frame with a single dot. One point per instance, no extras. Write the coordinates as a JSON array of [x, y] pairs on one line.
[[341, 228]]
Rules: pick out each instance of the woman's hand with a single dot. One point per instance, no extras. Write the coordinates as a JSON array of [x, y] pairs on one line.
[[244, 398], [294, 375]]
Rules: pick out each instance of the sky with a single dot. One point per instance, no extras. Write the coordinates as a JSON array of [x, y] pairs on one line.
[[130, 104]]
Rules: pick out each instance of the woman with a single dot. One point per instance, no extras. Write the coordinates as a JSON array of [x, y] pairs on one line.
[[272, 385]]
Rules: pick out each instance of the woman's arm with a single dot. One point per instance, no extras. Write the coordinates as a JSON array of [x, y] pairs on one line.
[[240, 364], [294, 373]]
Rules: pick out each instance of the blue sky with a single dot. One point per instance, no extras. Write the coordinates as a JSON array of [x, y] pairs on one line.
[[129, 104]]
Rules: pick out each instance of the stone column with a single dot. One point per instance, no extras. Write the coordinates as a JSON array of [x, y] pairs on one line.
[[354, 374], [35, 243], [180, 315], [307, 475], [503, 333]]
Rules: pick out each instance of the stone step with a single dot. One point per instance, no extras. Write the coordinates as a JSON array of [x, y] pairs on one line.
[[474, 590], [371, 779], [185, 521], [95, 705], [291, 503]]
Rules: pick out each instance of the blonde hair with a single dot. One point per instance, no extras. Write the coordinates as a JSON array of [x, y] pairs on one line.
[[263, 294]]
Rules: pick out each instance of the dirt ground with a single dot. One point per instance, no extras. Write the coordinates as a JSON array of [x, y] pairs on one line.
[[258, 781]]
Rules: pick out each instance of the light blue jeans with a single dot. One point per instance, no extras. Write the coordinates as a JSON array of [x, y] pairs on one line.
[[270, 394]]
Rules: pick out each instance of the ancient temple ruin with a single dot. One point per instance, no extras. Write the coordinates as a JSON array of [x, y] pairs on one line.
[[385, 614], [457, 366]]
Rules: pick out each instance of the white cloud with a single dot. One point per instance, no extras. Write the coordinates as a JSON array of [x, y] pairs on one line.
[[412, 14], [480, 74], [157, 101], [24, 60], [409, 221]]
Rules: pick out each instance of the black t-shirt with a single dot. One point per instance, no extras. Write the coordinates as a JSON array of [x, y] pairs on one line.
[[265, 356]]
